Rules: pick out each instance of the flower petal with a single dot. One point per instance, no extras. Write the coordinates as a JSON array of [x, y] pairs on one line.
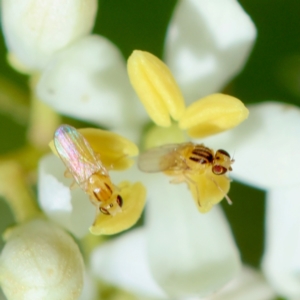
[[156, 87], [189, 253], [281, 261], [213, 114], [123, 262], [35, 30], [89, 291], [265, 146], [207, 44], [134, 198], [247, 285], [88, 80], [70, 209]]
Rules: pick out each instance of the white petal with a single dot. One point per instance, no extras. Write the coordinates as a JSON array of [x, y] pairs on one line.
[[35, 29], [190, 253], [123, 262], [281, 261], [89, 81], [132, 174], [70, 209], [265, 146], [248, 285], [89, 291], [207, 44]]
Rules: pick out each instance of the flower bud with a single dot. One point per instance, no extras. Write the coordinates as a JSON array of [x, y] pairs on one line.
[[40, 261], [34, 30]]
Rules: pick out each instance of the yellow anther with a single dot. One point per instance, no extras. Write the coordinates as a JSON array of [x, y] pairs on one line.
[[114, 150], [209, 189], [134, 197], [157, 136], [213, 114], [156, 87]]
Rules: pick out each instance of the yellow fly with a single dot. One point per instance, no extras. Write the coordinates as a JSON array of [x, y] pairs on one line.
[[87, 169], [183, 161]]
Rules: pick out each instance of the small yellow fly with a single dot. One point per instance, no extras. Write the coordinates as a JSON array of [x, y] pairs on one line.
[[183, 161], [87, 170]]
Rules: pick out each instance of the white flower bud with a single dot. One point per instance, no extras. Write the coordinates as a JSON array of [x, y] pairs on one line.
[[35, 29], [40, 261]]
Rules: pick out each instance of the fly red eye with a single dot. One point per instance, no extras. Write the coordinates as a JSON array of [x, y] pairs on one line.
[[104, 211], [120, 200], [219, 170]]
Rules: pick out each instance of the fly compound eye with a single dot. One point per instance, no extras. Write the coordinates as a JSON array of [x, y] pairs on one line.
[[104, 211], [120, 200], [219, 170]]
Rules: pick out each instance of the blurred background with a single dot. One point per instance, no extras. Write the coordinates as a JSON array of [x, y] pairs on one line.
[[271, 73]]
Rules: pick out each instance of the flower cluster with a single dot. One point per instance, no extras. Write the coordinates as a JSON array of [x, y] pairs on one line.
[[176, 252]]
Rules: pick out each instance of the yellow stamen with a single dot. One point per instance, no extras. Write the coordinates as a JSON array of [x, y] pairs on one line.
[[114, 150], [158, 136], [208, 189], [134, 197], [213, 114], [156, 87]]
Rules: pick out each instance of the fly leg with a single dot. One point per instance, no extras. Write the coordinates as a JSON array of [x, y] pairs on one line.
[[189, 180], [178, 179], [220, 189]]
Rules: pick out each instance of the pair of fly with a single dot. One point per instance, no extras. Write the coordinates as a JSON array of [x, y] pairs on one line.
[[177, 160]]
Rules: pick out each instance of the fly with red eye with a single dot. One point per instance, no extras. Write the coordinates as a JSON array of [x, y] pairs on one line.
[[222, 162]]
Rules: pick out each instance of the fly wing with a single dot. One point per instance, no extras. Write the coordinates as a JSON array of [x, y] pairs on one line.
[[76, 153], [161, 158]]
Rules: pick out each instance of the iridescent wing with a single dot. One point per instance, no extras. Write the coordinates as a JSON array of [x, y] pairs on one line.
[[161, 158], [76, 153]]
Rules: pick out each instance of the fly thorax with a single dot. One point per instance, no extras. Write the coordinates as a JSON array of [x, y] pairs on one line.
[[100, 187], [199, 158]]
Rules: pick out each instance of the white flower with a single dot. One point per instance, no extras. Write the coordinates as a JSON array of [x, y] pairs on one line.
[[88, 80], [248, 285], [266, 149], [71, 209], [281, 261], [40, 261], [35, 30], [126, 263], [200, 255], [208, 43], [178, 253]]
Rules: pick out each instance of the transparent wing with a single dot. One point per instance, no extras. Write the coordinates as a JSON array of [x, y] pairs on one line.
[[161, 158], [76, 153]]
